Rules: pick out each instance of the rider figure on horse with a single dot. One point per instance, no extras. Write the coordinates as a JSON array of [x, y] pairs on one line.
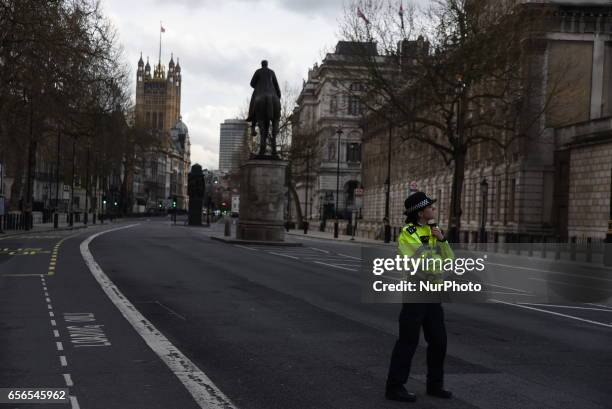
[[265, 88]]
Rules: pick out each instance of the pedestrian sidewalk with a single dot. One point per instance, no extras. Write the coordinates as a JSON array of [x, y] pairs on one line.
[[42, 228], [316, 234]]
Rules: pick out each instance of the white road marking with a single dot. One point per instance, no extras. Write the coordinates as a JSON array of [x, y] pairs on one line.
[[68, 379], [49, 307], [60, 346], [74, 403], [206, 394], [562, 283], [346, 255], [47, 299], [53, 323], [244, 247], [321, 250], [63, 360], [600, 305], [554, 313], [335, 266], [283, 255], [46, 294], [51, 314], [575, 307], [56, 333]]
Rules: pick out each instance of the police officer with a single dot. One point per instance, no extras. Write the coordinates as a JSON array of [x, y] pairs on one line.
[[420, 239]]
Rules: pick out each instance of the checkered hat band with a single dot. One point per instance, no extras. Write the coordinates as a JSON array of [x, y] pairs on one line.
[[422, 204]]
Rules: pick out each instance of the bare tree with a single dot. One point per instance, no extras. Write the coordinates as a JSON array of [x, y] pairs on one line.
[[452, 78]]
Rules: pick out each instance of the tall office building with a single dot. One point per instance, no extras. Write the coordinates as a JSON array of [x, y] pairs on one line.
[[232, 145]]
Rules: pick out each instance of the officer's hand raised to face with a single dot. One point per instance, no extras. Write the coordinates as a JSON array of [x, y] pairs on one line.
[[437, 233]]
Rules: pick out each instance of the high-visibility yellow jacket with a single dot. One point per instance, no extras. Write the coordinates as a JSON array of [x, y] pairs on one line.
[[417, 241]]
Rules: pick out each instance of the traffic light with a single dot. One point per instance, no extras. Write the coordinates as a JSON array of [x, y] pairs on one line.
[[115, 203], [174, 202], [159, 205], [104, 200]]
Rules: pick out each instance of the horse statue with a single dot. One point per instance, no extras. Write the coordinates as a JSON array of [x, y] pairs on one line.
[[264, 109]]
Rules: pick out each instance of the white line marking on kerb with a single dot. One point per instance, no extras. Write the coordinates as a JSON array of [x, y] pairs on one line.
[[206, 394], [68, 379], [554, 313]]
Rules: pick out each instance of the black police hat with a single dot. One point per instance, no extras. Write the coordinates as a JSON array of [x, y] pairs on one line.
[[417, 201]]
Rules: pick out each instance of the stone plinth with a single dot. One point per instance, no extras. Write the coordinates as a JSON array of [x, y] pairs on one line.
[[262, 198]]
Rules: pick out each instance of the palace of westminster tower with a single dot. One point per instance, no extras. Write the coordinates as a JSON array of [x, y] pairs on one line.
[[162, 177]]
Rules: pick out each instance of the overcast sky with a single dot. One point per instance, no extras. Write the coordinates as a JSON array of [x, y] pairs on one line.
[[220, 44]]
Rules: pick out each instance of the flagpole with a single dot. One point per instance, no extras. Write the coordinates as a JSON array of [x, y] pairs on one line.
[[160, 33]]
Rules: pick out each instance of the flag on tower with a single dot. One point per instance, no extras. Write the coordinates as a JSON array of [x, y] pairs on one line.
[[361, 15], [401, 14], [161, 29]]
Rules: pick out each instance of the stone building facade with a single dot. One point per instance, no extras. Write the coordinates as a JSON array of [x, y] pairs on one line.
[[162, 174], [557, 183], [328, 103]]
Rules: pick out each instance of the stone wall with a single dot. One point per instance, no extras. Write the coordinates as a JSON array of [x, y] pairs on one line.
[[589, 190]]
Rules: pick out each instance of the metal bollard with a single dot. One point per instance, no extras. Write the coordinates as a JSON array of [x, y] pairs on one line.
[[573, 249], [589, 250], [55, 220], [93, 218], [228, 228]]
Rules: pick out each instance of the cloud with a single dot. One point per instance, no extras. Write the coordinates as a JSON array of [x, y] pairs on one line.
[[220, 45], [203, 123]]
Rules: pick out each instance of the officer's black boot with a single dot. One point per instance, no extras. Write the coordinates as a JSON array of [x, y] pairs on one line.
[[438, 391], [399, 393]]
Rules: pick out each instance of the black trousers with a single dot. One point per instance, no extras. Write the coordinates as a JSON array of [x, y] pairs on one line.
[[412, 317]]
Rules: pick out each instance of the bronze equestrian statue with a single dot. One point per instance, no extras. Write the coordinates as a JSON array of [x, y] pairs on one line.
[[265, 108]]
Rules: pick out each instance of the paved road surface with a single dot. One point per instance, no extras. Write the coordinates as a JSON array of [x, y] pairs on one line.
[[269, 327]]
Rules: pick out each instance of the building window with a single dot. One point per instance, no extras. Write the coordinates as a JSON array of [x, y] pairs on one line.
[[331, 150], [498, 194], [333, 104], [353, 152], [355, 107]]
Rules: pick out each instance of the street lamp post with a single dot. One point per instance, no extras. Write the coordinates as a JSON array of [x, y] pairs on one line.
[[306, 195], [608, 245], [388, 187], [339, 132], [484, 188]]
